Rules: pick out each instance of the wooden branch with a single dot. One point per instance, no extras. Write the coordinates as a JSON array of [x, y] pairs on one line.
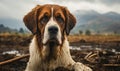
[[14, 59], [115, 65]]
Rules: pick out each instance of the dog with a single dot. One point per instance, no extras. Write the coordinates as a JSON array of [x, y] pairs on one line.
[[50, 25]]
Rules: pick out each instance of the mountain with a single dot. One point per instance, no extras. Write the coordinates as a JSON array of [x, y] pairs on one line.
[[12, 23], [84, 16], [96, 22], [6, 29]]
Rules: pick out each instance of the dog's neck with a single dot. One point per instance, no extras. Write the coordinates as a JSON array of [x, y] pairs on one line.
[[51, 50], [62, 54]]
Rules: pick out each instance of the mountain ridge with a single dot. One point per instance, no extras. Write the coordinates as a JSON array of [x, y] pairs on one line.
[[97, 22]]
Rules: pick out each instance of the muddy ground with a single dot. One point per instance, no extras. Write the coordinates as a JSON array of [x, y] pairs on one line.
[[101, 56]]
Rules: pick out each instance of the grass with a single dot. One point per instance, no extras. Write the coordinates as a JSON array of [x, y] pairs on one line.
[[76, 38], [94, 38]]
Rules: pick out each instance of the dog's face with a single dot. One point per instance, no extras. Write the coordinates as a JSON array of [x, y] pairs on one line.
[[52, 22]]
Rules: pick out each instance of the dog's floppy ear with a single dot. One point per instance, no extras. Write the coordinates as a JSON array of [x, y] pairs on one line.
[[30, 20], [71, 21]]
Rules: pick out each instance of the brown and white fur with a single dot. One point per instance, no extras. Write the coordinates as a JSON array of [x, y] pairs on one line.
[[49, 49]]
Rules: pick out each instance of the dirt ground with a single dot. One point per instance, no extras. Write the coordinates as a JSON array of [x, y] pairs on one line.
[[101, 53]]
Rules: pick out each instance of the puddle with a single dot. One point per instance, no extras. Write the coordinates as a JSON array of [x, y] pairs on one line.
[[89, 47], [75, 48], [85, 46], [15, 52], [82, 47]]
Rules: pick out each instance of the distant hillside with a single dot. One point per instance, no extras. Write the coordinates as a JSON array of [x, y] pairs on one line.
[[96, 22], [6, 29], [12, 23]]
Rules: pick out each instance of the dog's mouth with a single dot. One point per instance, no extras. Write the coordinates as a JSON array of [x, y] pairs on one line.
[[53, 41]]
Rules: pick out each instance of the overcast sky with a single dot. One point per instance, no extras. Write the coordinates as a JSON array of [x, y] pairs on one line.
[[16, 9]]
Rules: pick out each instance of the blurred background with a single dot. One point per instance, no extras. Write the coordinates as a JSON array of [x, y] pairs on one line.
[[96, 16], [94, 41]]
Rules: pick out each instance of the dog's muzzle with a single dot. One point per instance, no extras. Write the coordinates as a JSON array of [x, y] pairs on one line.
[[53, 32]]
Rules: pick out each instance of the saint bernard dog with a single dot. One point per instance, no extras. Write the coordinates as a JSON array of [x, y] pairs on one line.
[[49, 49]]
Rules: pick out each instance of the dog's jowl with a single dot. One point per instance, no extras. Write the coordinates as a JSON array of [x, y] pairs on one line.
[[49, 49]]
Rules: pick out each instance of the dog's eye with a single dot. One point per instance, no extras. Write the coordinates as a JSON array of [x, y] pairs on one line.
[[59, 19], [44, 19]]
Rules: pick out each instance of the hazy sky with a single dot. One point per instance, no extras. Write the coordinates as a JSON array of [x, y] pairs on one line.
[[16, 9]]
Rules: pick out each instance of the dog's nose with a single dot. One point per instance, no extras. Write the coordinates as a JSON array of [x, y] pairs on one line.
[[53, 30]]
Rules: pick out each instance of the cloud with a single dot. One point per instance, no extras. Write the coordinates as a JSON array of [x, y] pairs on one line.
[[107, 2], [15, 8], [101, 6], [110, 2], [18, 8]]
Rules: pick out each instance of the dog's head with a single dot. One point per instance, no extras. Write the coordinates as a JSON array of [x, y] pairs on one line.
[[51, 22]]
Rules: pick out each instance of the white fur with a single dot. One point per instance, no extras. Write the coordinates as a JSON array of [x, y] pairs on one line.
[[64, 59], [49, 24]]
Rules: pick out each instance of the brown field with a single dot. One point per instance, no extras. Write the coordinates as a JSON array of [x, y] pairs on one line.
[[94, 38], [104, 51]]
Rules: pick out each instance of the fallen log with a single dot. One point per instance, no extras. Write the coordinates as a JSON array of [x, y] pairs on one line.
[[14, 59]]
